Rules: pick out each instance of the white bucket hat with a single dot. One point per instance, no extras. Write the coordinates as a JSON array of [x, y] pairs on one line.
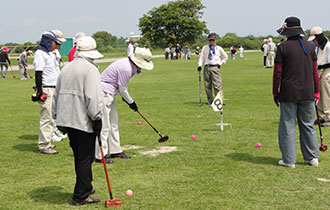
[[142, 58], [86, 46], [314, 31], [78, 36], [59, 35]]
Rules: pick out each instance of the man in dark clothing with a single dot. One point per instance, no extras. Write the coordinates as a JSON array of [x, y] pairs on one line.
[[3, 61], [296, 74]]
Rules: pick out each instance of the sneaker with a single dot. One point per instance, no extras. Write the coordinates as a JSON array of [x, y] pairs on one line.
[[58, 133], [88, 200], [120, 155], [107, 160], [48, 151], [281, 163], [56, 138], [52, 146], [313, 162]]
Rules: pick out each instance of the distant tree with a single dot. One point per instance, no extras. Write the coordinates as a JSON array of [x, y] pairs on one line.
[[175, 22]]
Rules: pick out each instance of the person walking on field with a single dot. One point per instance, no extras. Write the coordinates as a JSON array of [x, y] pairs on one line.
[[3, 61], [295, 73], [213, 57], [271, 53], [241, 52], [77, 109], [115, 79], [23, 64], [45, 79], [323, 62], [130, 48]]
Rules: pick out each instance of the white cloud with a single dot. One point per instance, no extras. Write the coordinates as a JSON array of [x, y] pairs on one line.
[[83, 19]]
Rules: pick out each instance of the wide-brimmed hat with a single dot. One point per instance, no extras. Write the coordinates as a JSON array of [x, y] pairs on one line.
[[78, 36], [291, 27], [5, 49], [59, 36], [314, 31], [86, 46], [30, 52], [142, 58]]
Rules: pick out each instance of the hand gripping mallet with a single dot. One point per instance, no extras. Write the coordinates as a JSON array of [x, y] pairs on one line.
[[323, 147], [161, 138], [112, 202], [200, 88]]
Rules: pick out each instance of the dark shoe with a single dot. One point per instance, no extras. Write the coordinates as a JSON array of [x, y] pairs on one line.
[[120, 155], [107, 161], [88, 200]]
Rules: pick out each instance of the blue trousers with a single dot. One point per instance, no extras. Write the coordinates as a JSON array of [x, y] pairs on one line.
[[304, 113]]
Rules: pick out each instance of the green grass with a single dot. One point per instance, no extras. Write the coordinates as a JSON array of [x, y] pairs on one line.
[[217, 170]]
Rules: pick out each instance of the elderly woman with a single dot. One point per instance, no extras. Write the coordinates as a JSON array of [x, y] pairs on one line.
[[77, 106]]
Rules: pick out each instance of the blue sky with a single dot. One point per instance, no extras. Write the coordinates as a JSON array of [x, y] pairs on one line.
[[23, 21]]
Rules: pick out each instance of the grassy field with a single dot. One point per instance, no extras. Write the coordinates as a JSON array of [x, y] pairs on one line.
[[217, 170]]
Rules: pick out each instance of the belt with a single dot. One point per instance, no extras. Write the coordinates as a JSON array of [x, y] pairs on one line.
[[210, 65], [45, 86]]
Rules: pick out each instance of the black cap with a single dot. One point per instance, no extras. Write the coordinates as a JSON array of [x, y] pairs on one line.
[[212, 36]]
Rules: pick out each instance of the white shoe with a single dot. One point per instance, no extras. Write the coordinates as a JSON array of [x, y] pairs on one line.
[[281, 163], [56, 138], [59, 134], [313, 162]]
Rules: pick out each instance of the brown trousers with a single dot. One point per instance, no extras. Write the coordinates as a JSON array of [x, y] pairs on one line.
[[212, 78]]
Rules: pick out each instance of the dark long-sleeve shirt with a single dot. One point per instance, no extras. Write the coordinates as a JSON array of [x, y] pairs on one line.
[[4, 57]]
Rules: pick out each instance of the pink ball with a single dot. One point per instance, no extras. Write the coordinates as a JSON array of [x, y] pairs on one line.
[[129, 193], [139, 123], [258, 145], [192, 136]]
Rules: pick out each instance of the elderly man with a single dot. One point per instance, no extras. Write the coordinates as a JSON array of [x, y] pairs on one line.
[[45, 79], [323, 62], [271, 53], [115, 80], [295, 74], [77, 108], [213, 57], [23, 64]]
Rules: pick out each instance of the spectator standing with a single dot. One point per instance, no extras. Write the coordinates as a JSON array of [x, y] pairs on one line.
[[241, 52], [271, 53], [167, 52], [130, 48], [3, 61], [295, 73], [265, 51], [213, 57]]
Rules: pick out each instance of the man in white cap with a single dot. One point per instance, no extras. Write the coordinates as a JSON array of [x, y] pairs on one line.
[[45, 79], [75, 40], [115, 79], [23, 64], [213, 57], [271, 53], [130, 48], [77, 108], [323, 62]]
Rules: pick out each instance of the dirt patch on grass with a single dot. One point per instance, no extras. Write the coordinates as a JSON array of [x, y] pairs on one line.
[[128, 147], [159, 150], [323, 180]]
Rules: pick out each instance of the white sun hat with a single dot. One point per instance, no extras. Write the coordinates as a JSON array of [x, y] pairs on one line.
[[86, 46], [142, 58], [314, 31], [78, 36]]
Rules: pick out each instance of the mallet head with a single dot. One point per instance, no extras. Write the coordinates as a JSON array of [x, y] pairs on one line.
[[113, 203], [163, 138], [323, 147]]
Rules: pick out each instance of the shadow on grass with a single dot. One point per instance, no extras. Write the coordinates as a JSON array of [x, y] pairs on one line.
[[253, 159], [50, 194], [26, 147], [29, 137]]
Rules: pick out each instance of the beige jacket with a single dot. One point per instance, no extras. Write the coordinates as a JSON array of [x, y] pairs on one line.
[[78, 98]]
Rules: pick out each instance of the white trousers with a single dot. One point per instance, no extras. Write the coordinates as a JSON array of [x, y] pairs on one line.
[[324, 103], [270, 59], [47, 123], [110, 132]]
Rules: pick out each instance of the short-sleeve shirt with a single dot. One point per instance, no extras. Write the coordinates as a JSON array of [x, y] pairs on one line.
[[117, 74], [297, 81], [45, 62]]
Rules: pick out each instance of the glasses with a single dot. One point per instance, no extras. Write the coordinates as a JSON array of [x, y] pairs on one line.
[[211, 40]]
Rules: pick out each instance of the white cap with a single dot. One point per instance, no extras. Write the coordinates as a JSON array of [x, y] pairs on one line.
[[314, 31], [86, 46], [59, 35]]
